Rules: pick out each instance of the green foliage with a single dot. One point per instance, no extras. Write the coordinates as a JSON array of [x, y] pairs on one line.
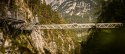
[[113, 11], [20, 38], [62, 38], [108, 41], [20, 43]]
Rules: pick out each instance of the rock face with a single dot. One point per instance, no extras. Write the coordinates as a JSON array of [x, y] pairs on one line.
[[16, 41], [74, 8]]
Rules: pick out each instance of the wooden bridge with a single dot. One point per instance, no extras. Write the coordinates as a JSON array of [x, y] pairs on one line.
[[20, 24]]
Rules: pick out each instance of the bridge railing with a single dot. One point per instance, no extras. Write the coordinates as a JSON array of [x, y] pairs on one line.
[[20, 24], [77, 26]]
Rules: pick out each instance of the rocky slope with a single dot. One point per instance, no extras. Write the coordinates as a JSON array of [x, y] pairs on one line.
[[16, 41], [74, 9]]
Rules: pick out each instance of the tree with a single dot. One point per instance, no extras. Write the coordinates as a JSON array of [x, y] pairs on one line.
[[108, 41]]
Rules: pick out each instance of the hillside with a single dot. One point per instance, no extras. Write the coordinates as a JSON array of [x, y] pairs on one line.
[[16, 41], [78, 11]]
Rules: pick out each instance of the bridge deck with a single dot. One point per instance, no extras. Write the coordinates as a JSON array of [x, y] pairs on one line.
[[20, 24], [75, 26]]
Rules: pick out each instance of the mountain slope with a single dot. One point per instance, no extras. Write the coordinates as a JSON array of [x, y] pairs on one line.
[[16, 41], [71, 9]]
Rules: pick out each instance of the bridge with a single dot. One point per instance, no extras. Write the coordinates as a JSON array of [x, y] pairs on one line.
[[20, 24], [69, 26]]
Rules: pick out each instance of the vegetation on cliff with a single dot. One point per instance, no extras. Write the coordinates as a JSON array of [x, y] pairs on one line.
[[108, 41], [47, 41]]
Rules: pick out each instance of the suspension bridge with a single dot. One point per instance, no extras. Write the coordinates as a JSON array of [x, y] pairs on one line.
[[20, 24]]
